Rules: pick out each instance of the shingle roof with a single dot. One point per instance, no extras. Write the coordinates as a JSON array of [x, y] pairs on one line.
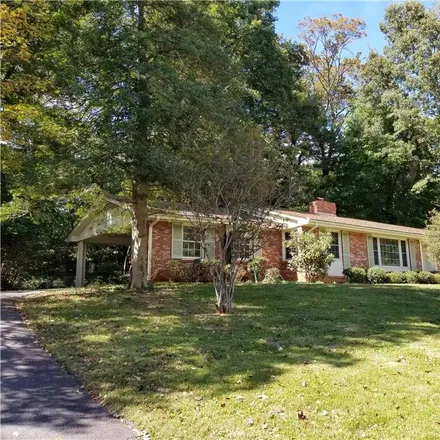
[[352, 222]]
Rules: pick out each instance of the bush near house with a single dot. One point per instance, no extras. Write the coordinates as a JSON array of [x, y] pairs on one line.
[[397, 277], [376, 275], [425, 277], [197, 271], [311, 254], [356, 275], [273, 276], [257, 266]]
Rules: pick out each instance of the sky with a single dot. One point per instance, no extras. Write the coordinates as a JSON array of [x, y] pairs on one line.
[[290, 12]]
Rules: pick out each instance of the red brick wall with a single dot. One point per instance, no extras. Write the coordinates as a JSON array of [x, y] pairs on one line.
[[162, 237], [358, 250], [271, 247], [321, 206], [272, 250], [162, 242]]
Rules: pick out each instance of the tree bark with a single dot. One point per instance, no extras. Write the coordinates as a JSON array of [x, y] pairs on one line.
[[224, 285], [139, 238]]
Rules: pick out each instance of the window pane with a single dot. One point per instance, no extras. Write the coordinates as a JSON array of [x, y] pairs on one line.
[[376, 251], [287, 250], [190, 234], [389, 252], [242, 248], [191, 243], [335, 244], [197, 250], [404, 253]]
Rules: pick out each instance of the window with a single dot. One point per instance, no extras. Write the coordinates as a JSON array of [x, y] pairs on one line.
[[287, 250], [335, 244], [390, 252], [186, 242], [191, 243], [404, 253], [244, 248], [376, 251]]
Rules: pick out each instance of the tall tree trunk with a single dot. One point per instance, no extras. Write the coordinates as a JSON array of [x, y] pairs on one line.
[[224, 285], [139, 237]]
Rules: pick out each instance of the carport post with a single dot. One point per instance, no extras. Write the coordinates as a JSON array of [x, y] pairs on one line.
[[81, 252]]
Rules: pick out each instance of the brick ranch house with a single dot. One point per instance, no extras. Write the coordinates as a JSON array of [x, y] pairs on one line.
[[355, 242]]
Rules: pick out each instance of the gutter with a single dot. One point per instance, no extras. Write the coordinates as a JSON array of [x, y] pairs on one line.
[[150, 246]]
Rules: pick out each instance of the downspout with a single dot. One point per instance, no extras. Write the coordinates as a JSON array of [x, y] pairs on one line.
[[150, 247]]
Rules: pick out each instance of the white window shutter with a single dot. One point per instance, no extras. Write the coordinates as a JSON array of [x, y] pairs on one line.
[[412, 255], [210, 245], [370, 251], [346, 249], [176, 251]]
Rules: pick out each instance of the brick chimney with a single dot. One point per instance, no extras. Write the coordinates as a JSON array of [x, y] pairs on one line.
[[321, 206]]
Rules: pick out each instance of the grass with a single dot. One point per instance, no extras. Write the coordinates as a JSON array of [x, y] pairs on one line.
[[293, 361]]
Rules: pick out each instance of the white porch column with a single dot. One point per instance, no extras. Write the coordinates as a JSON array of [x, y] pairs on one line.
[[81, 252]]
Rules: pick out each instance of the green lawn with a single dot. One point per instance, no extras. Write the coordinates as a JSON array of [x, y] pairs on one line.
[[293, 361]]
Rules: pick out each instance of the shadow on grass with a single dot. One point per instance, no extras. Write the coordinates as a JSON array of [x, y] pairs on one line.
[[144, 346]]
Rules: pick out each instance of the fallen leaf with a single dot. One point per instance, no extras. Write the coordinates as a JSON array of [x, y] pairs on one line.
[[301, 415]]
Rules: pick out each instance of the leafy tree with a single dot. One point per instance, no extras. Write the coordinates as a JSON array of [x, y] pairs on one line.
[[311, 254], [277, 98], [432, 238], [332, 76], [130, 84], [389, 171], [230, 192]]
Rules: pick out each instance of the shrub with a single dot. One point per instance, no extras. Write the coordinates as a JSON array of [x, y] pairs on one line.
[[436, 278], [377, 275], [425, 277], [176, 270], [198, 271], [272, 276], [411, 277], [311, 254], [356, 275], [243, 274], [257, 267], [397, 277], [58, 284], [35, 283]]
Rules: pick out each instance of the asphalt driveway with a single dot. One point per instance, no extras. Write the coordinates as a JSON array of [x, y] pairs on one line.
[[40, 401]]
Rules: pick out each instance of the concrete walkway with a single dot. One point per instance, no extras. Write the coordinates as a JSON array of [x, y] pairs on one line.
[[40, 401]]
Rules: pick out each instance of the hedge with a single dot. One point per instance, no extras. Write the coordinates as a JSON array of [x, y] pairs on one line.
[[376, 275]]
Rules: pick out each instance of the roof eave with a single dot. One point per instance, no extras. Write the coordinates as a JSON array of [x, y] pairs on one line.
[[306, 221]]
